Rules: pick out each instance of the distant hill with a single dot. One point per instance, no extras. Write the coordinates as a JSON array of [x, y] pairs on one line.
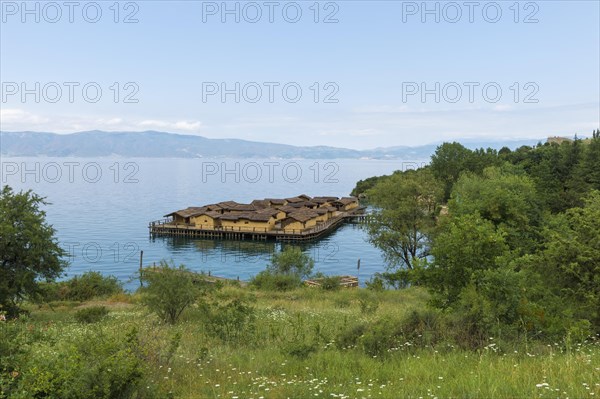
[[152, 144]]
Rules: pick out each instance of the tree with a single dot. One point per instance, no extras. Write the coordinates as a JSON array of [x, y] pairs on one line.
[[169, 290], [506, 197], [569, 264], [466, 247], [590, 164], [448, 162], [292, 261], [406, 207], [29, 250], [362, 186]]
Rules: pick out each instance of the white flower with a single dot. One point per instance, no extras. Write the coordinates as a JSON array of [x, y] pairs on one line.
[[543, 384]]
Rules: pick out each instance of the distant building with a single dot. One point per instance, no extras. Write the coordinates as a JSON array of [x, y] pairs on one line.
[[558, 140]]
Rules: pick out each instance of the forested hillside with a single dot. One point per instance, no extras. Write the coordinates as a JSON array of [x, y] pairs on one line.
[[505, 241]]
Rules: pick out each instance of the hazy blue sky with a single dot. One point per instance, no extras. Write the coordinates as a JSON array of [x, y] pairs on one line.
[[375, 61]]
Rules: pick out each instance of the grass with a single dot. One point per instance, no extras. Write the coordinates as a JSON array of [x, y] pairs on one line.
[[291, 352]]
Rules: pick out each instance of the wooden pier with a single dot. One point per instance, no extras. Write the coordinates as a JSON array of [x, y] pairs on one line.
[[345, 282], [200, 277], [167, 227]]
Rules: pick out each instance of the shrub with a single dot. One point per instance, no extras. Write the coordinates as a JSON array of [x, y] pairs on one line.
[[368, 302], [92, 284], [330, 283], [13, 349], [349, 337], [472, 319], [398, 279], [91, 314], [169, 290], [269, 281], [86, 366], [299, 350], [292, 261], [232, 322], [376, 284], [418, 329], [380, 337], [423, 328], [122, 297], [341, 302], [81, 288]]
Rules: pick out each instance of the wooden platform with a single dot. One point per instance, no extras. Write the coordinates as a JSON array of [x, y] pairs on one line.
[[197, 277], [168, 228], [345, 282]]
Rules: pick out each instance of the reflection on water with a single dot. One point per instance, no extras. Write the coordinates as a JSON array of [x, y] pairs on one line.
[[335, 253]]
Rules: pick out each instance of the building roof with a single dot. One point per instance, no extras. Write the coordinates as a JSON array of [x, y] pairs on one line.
[[261, 203], [260, 217], [187, 212], [293, 200], [303, 216], [227, 205], [346, 200], [268, 211], [322, 200], [296, 205], [212, 214], [264, 210], [253, 216], [243, 208], [276, 201], [287, 208]]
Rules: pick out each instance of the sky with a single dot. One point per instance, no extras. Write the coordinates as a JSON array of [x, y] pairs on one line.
[[354, 74]]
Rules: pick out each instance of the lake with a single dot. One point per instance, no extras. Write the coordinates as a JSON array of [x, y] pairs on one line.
[[101, 209]]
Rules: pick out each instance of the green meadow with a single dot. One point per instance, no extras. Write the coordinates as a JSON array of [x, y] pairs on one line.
[[294, 344]]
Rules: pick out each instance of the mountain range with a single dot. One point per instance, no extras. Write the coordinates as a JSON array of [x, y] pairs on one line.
[[153, 144]]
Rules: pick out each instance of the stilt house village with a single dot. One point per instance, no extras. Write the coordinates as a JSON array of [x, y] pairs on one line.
[[271, 216]]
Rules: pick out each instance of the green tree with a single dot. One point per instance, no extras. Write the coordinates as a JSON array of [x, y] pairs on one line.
[[466, 246], [406, 208], [569, 264], [29, 250], [559, 172], [291, 261], [574, 186], [362, 186], [590, 164], [448, 162], [169, 290], [505, 196]]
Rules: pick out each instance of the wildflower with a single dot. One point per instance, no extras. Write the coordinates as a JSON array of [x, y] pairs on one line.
[[543, 384]]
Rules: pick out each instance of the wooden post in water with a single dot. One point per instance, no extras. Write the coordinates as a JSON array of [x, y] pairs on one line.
[[141, 267], [358, 270]]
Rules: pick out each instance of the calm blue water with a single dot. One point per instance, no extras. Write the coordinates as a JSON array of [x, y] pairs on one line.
[[101, 209]]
